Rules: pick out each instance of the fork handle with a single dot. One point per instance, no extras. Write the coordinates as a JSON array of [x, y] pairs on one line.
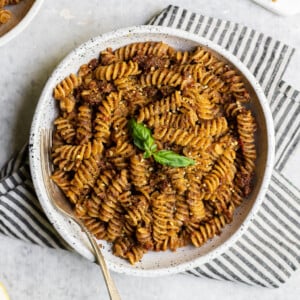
[[111, 287]]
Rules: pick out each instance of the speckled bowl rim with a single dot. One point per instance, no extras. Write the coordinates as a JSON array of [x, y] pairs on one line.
[[36, 167], [16, 30]]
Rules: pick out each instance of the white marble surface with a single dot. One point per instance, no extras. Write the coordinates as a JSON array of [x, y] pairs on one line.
[[30, 272]]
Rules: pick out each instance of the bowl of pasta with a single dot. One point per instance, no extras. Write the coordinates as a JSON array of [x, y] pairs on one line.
[[163, 143], [15, 16]]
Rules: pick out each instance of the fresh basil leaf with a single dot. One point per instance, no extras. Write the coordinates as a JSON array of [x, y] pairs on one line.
[[139, 143], [147, 154], [141, 134], [150, 147], [143, 139], [172, 159], [149, 143], [153, 148]]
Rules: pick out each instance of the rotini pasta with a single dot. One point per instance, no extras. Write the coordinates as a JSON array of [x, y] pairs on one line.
[[146, 49], [116, 70], [5, 14], [192, 103], [65, 129], [84, 124], [66, 87], [162, 77]]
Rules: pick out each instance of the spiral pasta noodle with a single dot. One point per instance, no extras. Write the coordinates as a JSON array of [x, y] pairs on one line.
[[207, 231], [162, 215], [66, 87], [5, 14], [65, 129], [98, 229], [228, 75], [148, 48], [246, 128], [103, 119], [84, 124], [181, 137], [83, 180], [169, 104], [116, 70], [162, 77], [193, 104]]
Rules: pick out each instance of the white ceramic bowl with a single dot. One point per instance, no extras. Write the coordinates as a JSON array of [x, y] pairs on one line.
[[23, 13], [155, 263]]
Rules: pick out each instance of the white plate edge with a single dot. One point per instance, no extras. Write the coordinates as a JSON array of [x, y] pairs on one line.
[[22, 25]]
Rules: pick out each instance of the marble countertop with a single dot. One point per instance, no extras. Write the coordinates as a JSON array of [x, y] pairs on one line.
[[31, 272]]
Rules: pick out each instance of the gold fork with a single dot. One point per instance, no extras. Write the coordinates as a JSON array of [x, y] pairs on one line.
[[60, 202]]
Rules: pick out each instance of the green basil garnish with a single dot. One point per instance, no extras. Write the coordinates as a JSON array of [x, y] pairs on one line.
[[142, 138], [172, 159]]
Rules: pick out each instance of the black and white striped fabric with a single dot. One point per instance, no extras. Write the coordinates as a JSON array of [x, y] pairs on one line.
[[269, 252], [21, 215]]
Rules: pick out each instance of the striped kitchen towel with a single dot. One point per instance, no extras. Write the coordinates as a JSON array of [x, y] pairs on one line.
[[269, 252]]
